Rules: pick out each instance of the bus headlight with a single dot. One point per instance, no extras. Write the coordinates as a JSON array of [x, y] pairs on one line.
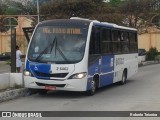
[[78, 75], [27, 73]]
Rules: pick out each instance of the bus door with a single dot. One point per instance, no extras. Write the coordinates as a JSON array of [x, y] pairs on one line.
[[107, 58], [94, 60], [107, 73]]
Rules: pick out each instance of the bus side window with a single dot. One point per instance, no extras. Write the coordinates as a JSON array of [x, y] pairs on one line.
[[95, 41], [91, 45], [125, 42], [106, 41], [133, 42], [116, 46]]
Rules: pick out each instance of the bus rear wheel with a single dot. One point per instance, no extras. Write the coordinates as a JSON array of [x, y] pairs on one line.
[[93, 88], [124, 78]]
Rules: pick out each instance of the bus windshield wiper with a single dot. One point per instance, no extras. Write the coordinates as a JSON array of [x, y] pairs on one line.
[[50, 45], [60, 51]]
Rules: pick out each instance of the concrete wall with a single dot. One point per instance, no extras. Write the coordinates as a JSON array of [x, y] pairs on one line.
[[8, 80], [150, 39], [4, 81], [5, 37]]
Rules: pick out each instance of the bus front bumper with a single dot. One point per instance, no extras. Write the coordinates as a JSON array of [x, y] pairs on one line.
[[66, 85]]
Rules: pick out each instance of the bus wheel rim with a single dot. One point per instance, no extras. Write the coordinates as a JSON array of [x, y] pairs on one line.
[[93, 86], [123, 78]]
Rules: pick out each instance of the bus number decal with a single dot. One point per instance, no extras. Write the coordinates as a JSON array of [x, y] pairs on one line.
[[62, 68]]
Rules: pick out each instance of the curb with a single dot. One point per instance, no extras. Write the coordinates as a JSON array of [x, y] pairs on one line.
[[13, 94], [148, 63]]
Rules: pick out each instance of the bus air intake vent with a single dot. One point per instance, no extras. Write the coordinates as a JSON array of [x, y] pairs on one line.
[[57, 75]]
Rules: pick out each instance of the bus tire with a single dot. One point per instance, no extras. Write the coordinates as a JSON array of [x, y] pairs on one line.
[[42, 92], [124, 77], [93, 88], [32, 91]]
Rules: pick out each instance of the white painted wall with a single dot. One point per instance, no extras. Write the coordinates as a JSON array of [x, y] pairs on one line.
[[10, 80], [4, 81], [15, 79]]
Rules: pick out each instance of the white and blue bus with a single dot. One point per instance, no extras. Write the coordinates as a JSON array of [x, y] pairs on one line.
[[79, 55]]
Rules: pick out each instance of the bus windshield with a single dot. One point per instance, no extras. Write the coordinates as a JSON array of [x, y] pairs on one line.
[[58, 44]]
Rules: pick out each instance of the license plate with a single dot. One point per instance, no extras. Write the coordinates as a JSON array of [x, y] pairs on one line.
[[50, 87]]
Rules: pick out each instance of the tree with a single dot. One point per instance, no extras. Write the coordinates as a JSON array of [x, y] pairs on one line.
[[92, 9], [10, 7], [66, 10], [115, 3], [152, 53], [2, 8], [138, 13], [97, 1]]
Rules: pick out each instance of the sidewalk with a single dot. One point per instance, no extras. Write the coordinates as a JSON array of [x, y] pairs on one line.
[[4, 67], [10, 93], [13, 94]]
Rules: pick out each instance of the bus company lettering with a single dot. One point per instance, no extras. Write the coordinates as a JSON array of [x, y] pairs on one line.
[[73, 31], [119, 61]]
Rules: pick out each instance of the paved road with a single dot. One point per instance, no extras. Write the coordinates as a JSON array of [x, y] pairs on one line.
[[141, 93]]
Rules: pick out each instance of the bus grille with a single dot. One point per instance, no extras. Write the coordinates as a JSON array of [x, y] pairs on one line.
[[56, 85], [57, 75]]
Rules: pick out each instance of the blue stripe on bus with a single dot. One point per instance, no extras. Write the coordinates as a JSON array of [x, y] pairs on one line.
[[106, 79], [41, 68], [104, 70], [107, 63], [92, 70], [27, 66], [104, 25], [107, 66], [89, 83]]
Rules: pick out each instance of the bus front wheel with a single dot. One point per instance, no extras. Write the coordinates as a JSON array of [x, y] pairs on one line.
[[42, 92], [93, 88]]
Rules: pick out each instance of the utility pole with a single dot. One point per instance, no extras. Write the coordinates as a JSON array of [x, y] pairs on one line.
[[13, 50], [38, 14]]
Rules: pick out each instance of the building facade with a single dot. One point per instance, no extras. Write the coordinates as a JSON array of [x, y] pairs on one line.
[[5, 37], [149, 39]]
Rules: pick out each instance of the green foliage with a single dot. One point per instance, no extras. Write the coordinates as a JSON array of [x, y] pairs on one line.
[[115, 3], [157, 58], [8, 62], [11, 7], [152, 53], [10, 11]]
